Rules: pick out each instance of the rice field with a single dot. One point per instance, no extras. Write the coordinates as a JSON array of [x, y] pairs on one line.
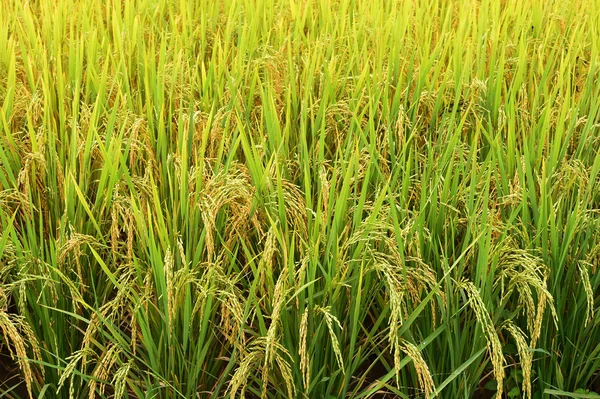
[[309, 199]]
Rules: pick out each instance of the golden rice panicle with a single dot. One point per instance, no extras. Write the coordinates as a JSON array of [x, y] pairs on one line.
[[240, 377], [79, 356], [589, 293], [120, 379], [324, 179], [229, 296], [423, 374], [330, 320], [271, 340], [523, 273], [9, 327], [525, 355], [3, 300], [269, 252], [302, 351], [169, 263], [18, 335], [103, 369], [226, 188], [493, 342]]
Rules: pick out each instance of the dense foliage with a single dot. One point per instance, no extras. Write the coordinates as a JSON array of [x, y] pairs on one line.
[[307, 199]]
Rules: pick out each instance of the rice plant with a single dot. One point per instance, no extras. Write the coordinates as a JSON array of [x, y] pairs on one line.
[[299, 199]]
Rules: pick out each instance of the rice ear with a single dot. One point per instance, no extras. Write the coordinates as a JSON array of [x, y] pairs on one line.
[[525, 355], [330, 320], [423, 374], [589, 293], [120, 379], [493, 341], [9, 327], [302, 351]]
